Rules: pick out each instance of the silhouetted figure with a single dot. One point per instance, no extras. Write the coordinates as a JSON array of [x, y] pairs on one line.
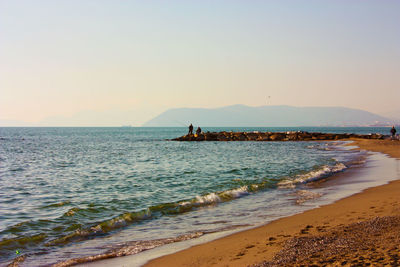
[[198, 131], [190, 129], [393, 132]]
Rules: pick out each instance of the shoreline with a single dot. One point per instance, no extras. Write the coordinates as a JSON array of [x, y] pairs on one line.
[[264, 206], [263, 243]]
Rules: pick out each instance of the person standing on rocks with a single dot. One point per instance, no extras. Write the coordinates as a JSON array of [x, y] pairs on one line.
[[190, 129], [198, 131], [393, 132]]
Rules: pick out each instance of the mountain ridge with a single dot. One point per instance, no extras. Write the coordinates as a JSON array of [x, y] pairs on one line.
[[280, 116]]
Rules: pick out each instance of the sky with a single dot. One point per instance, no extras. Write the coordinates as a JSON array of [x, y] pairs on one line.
[[112, 63]]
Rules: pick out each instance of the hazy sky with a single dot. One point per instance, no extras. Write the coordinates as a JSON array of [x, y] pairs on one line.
[[122, 62]]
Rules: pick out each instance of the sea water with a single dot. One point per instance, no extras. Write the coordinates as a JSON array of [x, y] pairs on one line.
[[69, 193]]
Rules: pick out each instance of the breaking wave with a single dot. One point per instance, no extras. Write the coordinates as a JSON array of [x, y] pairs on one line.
[[79, 232], [320, 173]]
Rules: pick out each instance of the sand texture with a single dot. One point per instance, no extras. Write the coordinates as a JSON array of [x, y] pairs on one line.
[[361, 230]]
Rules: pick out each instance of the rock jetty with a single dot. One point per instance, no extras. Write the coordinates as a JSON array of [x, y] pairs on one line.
[[273, 136]]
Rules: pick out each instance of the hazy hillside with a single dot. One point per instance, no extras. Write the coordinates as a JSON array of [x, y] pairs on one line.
[[240, 115]]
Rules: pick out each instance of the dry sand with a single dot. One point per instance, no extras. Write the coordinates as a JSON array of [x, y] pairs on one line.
[[360, 230]]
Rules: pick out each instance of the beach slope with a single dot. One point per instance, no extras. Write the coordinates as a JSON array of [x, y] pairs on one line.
[[360, 229]]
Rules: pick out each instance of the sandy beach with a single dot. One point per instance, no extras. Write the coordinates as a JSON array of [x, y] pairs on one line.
[[192, 133], [361, 229]]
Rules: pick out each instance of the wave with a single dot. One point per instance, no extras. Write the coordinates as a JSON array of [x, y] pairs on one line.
[[21, 242], [78, 232], [216, 197], [320, 173], [102, 227], [129, 248], [59, 204], [135, 247], [151, 213]]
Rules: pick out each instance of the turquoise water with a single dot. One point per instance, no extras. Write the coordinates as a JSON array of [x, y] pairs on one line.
[[74, 192]]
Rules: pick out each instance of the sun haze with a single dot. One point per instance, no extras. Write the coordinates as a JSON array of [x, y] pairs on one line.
[[124, 62]]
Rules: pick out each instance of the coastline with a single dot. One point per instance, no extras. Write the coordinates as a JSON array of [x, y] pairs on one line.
[[361, 169], [261, 244]]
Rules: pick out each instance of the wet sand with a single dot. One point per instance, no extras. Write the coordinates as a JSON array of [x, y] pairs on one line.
[[363, 229]]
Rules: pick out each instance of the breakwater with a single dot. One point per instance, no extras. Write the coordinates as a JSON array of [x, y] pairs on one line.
[[273, 136]]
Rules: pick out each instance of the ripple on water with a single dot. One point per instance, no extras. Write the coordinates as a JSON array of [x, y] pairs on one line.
[[90, 182]]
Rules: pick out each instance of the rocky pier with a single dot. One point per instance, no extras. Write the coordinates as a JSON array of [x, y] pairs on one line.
[[273, 136]]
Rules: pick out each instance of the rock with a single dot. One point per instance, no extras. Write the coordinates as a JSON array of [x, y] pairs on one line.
[[201, 137], [239, 136], [211, 137], [293, 136], [252, 136], [263, 137], [273, 136], [277, 136], [223, 136]]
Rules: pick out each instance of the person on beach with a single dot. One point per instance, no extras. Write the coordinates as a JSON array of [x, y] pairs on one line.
[[198, 131], [393, 132], [190, 129]]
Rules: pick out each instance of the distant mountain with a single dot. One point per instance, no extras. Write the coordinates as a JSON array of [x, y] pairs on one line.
[[241, 116]]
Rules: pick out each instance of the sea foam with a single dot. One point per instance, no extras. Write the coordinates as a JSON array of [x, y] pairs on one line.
[[320, 173]]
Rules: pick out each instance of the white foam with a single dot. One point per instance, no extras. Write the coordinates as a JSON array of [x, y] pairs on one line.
[[312, 175], [208, 199], [217, 197], [237, 192], [185, 203]]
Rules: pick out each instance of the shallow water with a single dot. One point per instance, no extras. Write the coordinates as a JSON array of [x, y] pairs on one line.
[[376, 169], [74, 192]]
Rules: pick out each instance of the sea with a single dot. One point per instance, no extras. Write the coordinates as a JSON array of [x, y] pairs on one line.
[[75, 193]]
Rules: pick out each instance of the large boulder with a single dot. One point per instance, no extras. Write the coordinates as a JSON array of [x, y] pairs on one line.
[[252, 136], [263, 137], [223, 136], [200, 137], [211, 137], [293, 136], [239, 136], [304, 136], [277, 136]]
